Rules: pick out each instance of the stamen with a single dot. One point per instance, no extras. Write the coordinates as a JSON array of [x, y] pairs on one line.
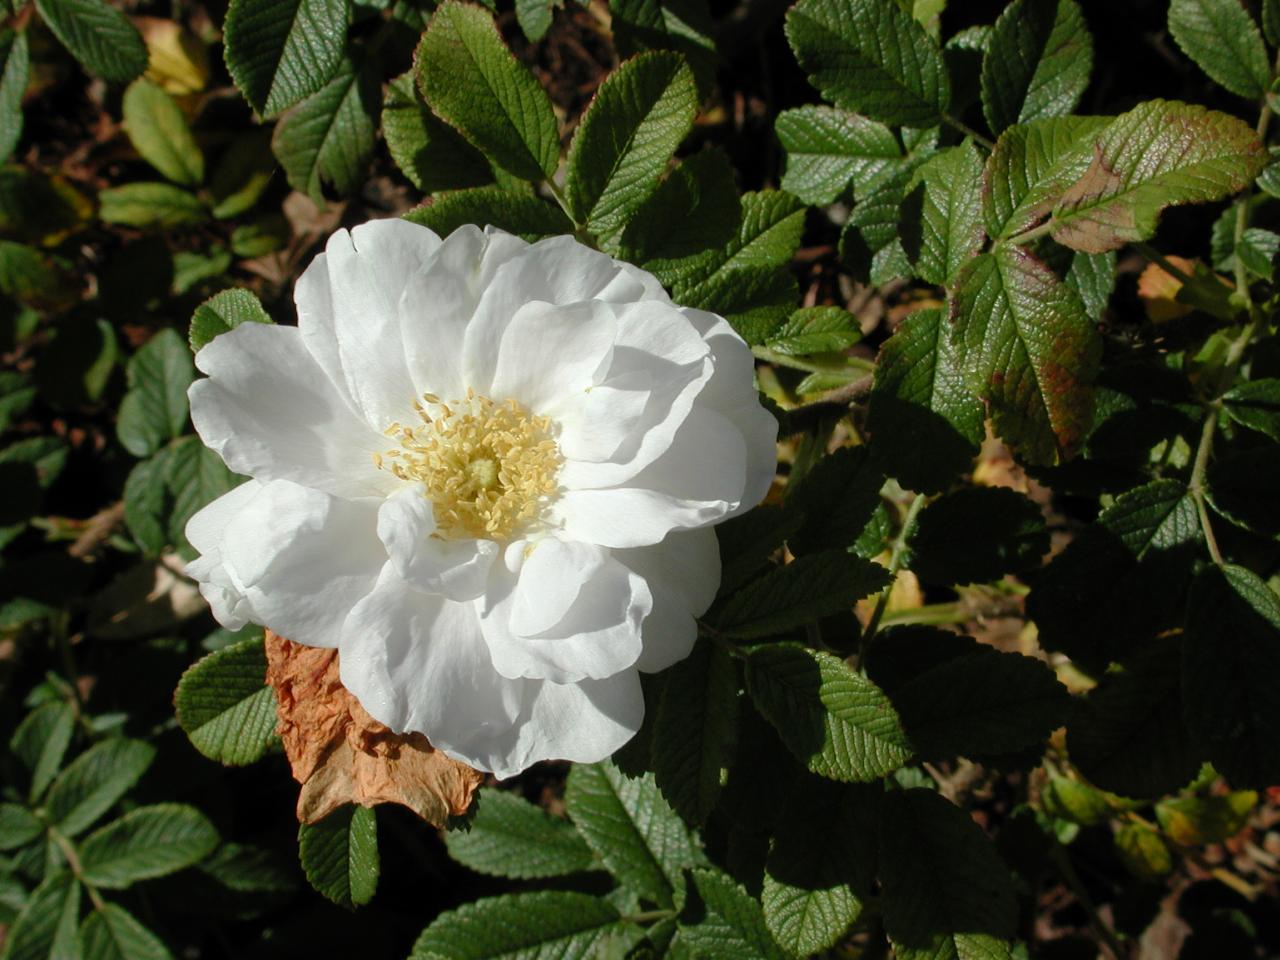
[[487, 467]]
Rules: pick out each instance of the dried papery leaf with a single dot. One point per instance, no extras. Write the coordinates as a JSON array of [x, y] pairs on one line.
[[340, 754], [1158, 291]]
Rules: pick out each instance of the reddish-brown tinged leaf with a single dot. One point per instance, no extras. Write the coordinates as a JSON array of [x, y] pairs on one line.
[[1029, 349], [340, 754]]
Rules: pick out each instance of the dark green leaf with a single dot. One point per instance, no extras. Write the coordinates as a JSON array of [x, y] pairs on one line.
[[835, 721], [430, 153], [1128, 736], [977, 534], [1231, 655], [534, 17], [510, 837], [748, 540], [1093, 277], [18, 826], [632, 829], [635, 122], [225, 706], [869, 57], [547, 925], [1245, 488], [695, 731], [93, 782], [470, 79], [724, 922], [15, 72], [1224, 41], [958, 697], [281, 52], [329, 137], [150, 206], [1271, 21], [154, 411], [222, 312], [98, 35], [684, 26], [1030, 350], [112, 933], [870, 247], [525, 215], [806, 590], [1159, 153], [1255, 405], [158, 130], [815, 330], [46, 927], [942, 214], [340, 855], [926, 423], [243, 174], [829, 150], [837, 497], [146, 842], [946, 892], [1037, 63], [41, 741]]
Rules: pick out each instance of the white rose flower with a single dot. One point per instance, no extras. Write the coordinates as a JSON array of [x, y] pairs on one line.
[[486, 471]]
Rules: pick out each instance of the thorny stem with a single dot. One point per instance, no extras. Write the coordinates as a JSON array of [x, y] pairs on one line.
[[968, 131], [77, 869], [1063, 863], [896, 556]]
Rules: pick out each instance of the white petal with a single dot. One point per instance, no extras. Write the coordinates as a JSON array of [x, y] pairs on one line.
[[270, 412], [349, 312], [204, 529], [549, 351], [438, 303], [456, 569], [418, 662], [683, 573], [571, 612], [204, 532], [302, 559], [697, 481]]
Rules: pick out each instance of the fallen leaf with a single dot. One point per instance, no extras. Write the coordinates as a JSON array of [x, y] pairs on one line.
[[1158, 291]]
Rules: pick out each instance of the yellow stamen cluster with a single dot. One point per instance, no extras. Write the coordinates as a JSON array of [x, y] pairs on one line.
[[488, 467]]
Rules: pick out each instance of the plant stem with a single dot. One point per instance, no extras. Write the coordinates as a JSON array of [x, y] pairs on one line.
[[783, 360], [968, 131], [77, 869], [1196, 484], [649, 915], [896, 556], [1026, 236], [1163, 262], [1063, 863], [1242, 205]]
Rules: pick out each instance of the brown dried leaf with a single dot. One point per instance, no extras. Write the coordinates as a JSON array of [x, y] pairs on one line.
[[1158, 291], [340, 754]]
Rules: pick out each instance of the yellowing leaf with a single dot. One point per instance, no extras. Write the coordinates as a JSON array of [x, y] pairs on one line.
[[177, 61]]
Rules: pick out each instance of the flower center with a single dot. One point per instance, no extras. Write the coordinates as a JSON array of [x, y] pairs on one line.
[[488, 467]]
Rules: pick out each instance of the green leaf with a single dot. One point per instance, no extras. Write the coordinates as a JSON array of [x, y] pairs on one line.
[[927, 425], [1122, 579], [16, 395], [977, 534], [724, 922], [471, 80], [1030, 350], [155, 409], [340, 855], [838, 498], [225, 706], [638, 117], [946, 892], [524, 215], [959, 697], [684, 26], [257, 238], [1257, 250], [247, 869], [869, 57], [281, 52], [1255, 405], [222, 312], [1093, 277], [821, 865], [632, 829], [93, 782], [18, 826], [1143, 852], [1128, 736], [941, 223], [1075, 801], [870, 246], [534, 17], [696, 208], [748, 540], [815, 330], [98, 35], [194, 476], [41, 741], [809, 588], [1223, 40], [1031, 167], [46, 927], [1231, 652], [1037, 63], [1271, 21], [243, 173], [695, 732], [747, 280], [526, 926], [1245, 488], [829, 150], [510, 837], [150, 206], [15, 72], [146, 842], [158, 130], [837, 722], [1159, 153], [112, 933], [329, 137], [430, 153], [1197, 821]]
